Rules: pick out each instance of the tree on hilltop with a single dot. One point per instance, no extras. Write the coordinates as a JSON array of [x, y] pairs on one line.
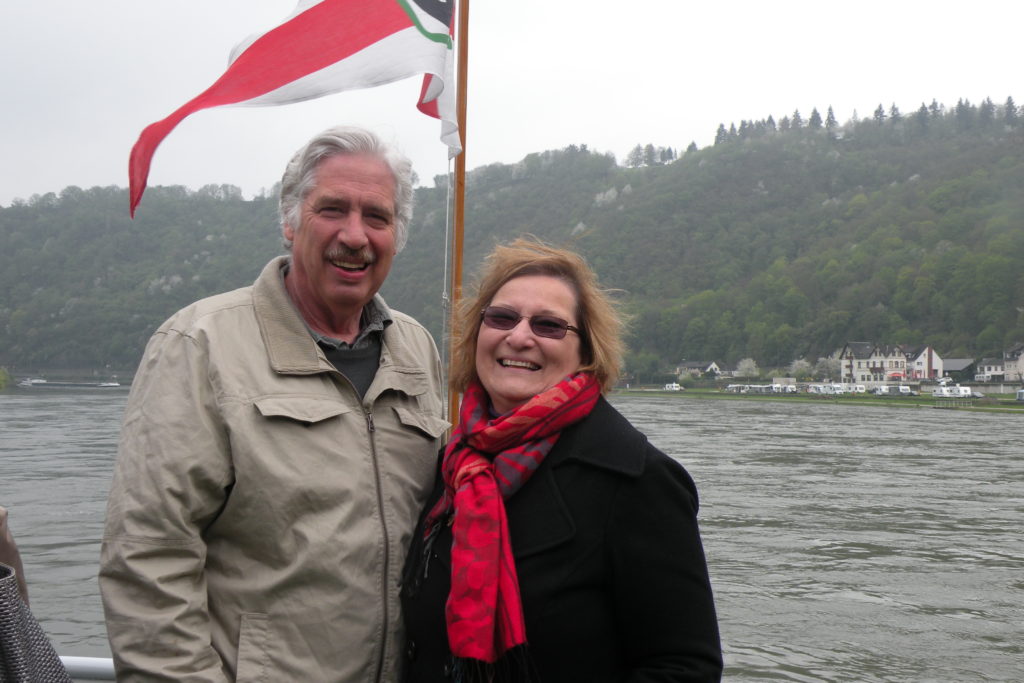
[[830, 119], [1010, 112], [922, 115], [987, 112], [635, 158], [964, 114], [650, 155]]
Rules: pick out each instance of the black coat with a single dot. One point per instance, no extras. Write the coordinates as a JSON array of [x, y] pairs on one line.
[[611, 569]]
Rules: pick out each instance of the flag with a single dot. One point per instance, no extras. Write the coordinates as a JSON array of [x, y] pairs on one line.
[[325, 47]]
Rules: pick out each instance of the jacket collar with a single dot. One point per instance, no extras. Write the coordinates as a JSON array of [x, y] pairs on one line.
[[292, 350], [603, 439]]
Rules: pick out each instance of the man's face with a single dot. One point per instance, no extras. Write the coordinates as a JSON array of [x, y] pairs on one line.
[[344, 244]]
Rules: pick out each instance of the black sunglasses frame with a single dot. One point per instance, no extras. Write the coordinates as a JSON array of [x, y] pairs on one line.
[[557, 324]]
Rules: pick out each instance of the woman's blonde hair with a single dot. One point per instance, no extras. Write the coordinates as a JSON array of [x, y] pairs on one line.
[[600, 324]]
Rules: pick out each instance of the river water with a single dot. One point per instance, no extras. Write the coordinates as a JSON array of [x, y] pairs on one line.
[[845, 543]]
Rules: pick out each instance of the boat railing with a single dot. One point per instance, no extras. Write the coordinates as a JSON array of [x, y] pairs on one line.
[[89, 668]]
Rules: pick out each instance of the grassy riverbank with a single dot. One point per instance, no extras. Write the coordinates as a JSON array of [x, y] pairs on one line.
[[995, 403]]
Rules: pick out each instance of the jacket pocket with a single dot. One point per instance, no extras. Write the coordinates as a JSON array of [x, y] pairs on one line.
[[430, 425], [300, 408], [252, 649]]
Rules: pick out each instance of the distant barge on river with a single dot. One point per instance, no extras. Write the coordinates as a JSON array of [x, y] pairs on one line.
[[32, 383]]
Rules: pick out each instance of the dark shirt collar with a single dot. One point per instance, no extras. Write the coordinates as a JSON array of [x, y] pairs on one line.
[[375, 317]]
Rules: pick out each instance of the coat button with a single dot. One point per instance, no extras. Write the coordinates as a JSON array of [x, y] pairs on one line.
[[410, 650]]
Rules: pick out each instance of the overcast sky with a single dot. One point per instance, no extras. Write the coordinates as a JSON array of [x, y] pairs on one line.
[[80, 80]]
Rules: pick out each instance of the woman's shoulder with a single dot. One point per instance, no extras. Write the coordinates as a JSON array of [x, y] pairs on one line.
[[605, 438], [607, 441]]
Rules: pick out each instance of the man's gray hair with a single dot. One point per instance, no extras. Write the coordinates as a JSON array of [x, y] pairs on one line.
[[300, 175]]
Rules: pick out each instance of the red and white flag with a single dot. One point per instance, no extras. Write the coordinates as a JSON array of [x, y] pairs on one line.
[[325, 47]]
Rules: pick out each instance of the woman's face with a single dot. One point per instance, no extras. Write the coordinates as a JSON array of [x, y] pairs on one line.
[[515, 365]]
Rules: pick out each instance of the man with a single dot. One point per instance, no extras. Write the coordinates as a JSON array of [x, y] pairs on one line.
[[277, 446]]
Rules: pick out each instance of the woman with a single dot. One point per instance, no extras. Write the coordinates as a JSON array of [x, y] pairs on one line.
[[558, 545]]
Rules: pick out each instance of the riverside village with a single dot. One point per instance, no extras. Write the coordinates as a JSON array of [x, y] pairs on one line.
[[869, 367]]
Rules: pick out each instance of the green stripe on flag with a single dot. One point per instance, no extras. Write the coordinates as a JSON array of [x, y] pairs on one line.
[[410, 10]]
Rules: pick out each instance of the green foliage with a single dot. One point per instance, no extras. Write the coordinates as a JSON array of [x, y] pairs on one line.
[[5, 378], [772, 244], [84, 286]]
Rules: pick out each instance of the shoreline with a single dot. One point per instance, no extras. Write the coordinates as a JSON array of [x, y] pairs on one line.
[[988, 404]]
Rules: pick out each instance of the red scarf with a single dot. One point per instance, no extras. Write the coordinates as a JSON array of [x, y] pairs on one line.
[[486, 461]]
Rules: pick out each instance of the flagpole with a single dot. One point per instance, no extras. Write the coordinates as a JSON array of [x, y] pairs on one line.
[[458, 213]]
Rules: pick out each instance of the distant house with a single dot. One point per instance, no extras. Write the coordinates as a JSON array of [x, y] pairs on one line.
[[961, 369], [869, 362], [852, 358], [989, 370], [922, 362], [698, 368], [1013, 363]]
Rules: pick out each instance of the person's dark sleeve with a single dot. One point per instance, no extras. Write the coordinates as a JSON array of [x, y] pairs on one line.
[[662, 593]]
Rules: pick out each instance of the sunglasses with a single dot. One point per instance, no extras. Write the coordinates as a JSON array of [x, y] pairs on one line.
[[541, 325]]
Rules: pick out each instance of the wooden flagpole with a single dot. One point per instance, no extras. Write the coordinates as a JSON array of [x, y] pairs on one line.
[[458, 213]]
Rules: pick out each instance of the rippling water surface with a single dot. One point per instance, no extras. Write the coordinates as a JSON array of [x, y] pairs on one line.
[[57, 450], [845, 543], [856, 543]]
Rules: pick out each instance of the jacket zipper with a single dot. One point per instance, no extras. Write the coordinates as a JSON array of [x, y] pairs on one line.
[[371, 429], [387, 545]]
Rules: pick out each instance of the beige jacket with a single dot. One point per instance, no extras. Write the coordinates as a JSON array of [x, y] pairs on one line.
[[259, 514]]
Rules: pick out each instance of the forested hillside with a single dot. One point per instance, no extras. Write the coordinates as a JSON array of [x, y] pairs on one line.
[[783, 240]]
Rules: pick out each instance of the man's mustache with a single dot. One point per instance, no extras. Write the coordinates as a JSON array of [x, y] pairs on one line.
[[365, 255]]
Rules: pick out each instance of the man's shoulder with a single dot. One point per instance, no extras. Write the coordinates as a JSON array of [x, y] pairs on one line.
[[219, 307], [209, 309], [408, 327], [407, 335], [406, 321]]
